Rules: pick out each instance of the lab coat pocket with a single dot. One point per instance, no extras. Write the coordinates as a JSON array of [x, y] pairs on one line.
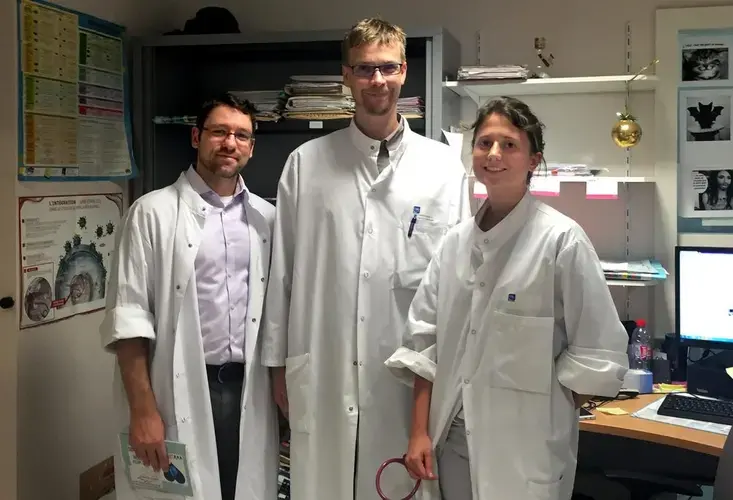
[[415, 252], [522, 353], [298, 381], [544, 491]]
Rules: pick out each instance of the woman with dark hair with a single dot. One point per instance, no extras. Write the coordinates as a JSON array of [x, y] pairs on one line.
[[719, 193], [512, 329]]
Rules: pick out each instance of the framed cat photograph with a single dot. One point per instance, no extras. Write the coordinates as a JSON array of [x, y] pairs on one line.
[[705, 58]]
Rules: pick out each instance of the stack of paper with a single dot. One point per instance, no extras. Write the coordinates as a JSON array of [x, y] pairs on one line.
[[318, 97], [640, 270], [147, 482], [283, 477], [411, 107], [269, 103], [501, 72]]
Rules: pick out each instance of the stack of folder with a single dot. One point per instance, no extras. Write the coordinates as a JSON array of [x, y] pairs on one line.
[[318, 97], [639, 270]]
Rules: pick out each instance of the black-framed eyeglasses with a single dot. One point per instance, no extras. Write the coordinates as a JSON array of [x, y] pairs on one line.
[[368, 70], [220, 134]]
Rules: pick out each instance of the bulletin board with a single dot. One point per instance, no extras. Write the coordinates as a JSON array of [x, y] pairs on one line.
[[705, 146], [73, 104]]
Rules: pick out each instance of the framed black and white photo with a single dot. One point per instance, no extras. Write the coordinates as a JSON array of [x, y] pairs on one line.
[[705, 126], [705, 58], [707, 192]]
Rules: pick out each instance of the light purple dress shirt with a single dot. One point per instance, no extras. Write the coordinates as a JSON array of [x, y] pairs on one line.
[[222, 272]]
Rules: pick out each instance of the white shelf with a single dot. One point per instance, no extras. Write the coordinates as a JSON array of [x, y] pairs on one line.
[[631, 283], [480, 91], [588, 178]]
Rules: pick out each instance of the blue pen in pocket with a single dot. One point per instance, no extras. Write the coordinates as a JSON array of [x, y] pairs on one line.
[[415, 213]]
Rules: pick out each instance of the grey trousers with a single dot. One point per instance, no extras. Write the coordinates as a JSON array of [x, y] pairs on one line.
[[454, 472], [225, 389]]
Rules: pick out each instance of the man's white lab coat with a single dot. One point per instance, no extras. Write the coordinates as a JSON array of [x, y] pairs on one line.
[[344, 271], [152, 294], [516, 318]]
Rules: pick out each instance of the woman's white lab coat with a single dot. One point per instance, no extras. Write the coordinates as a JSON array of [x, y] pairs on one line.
[[344, 271], [516, 319], [152, 294]]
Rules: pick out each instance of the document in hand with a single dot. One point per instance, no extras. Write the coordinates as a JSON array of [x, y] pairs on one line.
[[176, 481]]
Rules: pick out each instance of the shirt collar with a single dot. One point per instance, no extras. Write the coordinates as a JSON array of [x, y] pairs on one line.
[[370, 146], [506, 228], [208, 194]]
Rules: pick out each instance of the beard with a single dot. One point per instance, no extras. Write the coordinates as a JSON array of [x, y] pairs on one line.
[[223, 167], [378, 107]]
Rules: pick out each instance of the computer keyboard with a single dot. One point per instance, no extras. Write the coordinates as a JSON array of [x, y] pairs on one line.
[[705, 410]]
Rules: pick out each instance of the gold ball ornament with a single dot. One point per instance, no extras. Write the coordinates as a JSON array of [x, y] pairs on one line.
[[626, 132]]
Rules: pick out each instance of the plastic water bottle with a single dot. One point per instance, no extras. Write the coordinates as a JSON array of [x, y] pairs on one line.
[[641, 347]]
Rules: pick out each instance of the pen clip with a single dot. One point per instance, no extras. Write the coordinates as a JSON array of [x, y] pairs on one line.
[[413, 221]]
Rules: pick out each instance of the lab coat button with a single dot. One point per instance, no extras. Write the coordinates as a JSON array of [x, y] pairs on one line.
[[366, 274], [483, 284], [351, 408], [362, 318], [178, 287], [374, 190], [190, 245], [262, 280], [465, 380], [468, 433], [264, 240], [254, 320], [354, 363], [473, 332], [370, 231]]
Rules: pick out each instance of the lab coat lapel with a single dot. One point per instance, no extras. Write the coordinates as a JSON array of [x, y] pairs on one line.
[[189, 228], [259, 237]]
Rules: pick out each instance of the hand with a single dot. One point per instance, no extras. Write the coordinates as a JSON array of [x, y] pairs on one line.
[[147, 435], [280, 389], [419, 458]]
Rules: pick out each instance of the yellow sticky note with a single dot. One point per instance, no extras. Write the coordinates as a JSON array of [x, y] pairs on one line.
[[612, 411], [729, 371]]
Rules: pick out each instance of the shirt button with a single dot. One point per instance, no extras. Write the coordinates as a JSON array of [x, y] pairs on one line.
[[264, 240], [362, 318], [366, 274], [465, 380], [473, 332], [370, 231], [486, 240], [374, 190], [178, 287], [231, 307], [468, 433], [483, 284]]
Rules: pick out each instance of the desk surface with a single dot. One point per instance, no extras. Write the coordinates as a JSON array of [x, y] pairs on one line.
[[648, 430]]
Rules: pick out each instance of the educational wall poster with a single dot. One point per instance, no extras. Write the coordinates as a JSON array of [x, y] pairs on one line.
[[705, 146], [74, 119], [66, 245]]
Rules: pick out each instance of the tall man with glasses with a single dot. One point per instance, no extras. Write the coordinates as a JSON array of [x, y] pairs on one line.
[[359, 214], [183, 317]]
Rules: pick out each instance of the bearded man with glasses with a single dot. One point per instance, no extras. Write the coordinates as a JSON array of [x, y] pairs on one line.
[[359, 213], [183, 315]]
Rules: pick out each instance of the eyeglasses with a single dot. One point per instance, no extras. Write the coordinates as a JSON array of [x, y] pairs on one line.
[[221, 134], [368, 70]]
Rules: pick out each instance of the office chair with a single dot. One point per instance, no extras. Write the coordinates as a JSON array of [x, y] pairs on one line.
[[643, 486], [723, 488]]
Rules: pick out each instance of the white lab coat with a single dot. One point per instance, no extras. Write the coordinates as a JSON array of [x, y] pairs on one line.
[[152, 294], [515, 318], [343, 275]]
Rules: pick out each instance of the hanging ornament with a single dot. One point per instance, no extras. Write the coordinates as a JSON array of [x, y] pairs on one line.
[[626, 132]]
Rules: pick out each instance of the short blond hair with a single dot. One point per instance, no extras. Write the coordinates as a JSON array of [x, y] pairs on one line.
[[373, 30]]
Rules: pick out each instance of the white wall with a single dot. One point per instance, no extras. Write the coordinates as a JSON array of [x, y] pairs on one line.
[[64, 379]]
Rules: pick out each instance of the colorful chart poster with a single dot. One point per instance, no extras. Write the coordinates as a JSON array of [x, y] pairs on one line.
[[73, 106], [66, 246]]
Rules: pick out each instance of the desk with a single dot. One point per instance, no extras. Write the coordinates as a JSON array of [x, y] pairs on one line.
[[627, 426]]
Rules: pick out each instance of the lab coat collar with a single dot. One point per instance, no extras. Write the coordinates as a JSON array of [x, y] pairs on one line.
[[506, 228], [190, 196], [204, 190], [370, 147]]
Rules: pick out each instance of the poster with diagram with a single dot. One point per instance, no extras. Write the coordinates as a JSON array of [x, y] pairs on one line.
[[66, 246], [73, 113]]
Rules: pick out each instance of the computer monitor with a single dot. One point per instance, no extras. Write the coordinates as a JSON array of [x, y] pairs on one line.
[[704, 297]]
